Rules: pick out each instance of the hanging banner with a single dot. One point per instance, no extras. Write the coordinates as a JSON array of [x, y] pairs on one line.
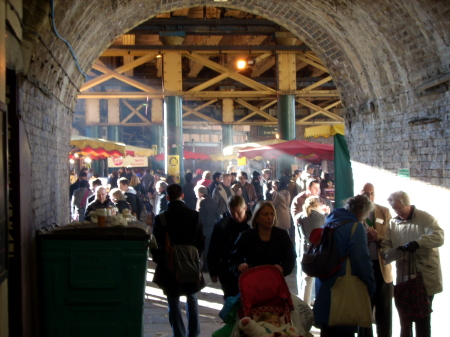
[[127, 161], [173, 167]]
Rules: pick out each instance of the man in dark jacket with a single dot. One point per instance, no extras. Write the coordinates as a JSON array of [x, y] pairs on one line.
[[76, 185], [209, 214], [101, 201], [223, 238], [188, 190], [217, 177], [183, 226], [131, 195]]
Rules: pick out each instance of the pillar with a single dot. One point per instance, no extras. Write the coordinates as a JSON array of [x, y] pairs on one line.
[[92, 112], [114, 130], [227, 135], [173, 131], [113, 133], [157, 142], [286, 117], [157, 137], [173, 120], [287, 85], [92, 132]]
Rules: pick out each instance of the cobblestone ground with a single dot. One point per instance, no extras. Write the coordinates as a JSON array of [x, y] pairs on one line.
[[156, 321]]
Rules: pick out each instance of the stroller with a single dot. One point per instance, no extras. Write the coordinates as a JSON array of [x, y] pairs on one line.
[[264, 289]]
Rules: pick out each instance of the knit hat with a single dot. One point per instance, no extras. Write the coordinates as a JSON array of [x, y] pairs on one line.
[[199, 171]]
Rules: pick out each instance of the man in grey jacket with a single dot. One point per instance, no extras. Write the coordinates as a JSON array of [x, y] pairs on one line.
[[223, 192], [417, 232]]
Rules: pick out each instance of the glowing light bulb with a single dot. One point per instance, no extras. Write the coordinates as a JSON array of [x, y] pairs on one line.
[[241, 64]]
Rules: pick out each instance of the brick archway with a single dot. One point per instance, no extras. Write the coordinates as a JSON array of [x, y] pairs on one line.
[[378, 53], [388, 58]]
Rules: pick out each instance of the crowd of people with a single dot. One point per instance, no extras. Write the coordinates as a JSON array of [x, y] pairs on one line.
[[238, 223]]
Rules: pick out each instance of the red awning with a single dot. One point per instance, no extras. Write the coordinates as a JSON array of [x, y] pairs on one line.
[[297, 148], [186, 155]]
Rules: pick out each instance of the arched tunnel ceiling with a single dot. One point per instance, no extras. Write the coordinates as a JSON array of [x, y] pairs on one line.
[[213, 40], [370, 48]]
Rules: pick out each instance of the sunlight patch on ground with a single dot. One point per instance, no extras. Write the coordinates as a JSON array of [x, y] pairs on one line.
[[157, 294]]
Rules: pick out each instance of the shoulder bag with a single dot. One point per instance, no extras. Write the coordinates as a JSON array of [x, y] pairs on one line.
[[350, 301], [411, 298]]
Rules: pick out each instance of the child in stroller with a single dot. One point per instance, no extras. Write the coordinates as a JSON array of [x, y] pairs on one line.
[[264, 289], [267, 325]]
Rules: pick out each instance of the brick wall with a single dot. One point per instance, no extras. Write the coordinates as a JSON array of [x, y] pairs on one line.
[[48, 124], [378, 53]]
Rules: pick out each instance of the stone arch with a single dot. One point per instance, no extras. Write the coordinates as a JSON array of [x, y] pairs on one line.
[[377, 53]]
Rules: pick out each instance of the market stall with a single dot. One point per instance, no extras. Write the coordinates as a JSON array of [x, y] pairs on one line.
[[96, 147], [294, 147]]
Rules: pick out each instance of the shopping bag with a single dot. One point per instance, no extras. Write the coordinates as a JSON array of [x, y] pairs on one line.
[[350, 302], [411, 298]]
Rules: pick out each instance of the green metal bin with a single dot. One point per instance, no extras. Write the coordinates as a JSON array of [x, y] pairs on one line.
[[93, 281]]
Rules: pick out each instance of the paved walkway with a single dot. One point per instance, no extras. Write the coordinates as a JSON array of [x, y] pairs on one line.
[[156, 322]]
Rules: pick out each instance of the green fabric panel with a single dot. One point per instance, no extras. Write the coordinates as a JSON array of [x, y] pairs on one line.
[[343, 174]]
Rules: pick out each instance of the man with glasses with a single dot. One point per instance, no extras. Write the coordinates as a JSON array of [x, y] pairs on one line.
[[223, 192]]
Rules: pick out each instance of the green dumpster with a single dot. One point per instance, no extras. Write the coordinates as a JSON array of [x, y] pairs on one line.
[[93, 280]]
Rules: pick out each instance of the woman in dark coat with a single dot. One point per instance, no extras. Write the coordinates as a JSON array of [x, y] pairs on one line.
[[263, 244]]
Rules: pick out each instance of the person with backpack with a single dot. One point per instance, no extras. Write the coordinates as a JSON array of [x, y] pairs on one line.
[[355, 247], [225, 233], [178, 225]]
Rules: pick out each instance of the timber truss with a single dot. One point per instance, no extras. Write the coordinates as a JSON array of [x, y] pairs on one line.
[[208, 81]]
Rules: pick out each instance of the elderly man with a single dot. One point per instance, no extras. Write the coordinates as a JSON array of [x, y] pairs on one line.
[[223, 192], [223, 238], [376, 225], [101, 201], [417, 232]]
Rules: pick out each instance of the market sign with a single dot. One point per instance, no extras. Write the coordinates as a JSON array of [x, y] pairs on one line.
[[135, 161], [173, 167], [267, 130]]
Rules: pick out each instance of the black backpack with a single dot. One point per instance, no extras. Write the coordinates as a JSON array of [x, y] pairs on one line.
[[322, 260]]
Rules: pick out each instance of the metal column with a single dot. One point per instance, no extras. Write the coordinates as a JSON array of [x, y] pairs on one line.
[[173, 141]]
